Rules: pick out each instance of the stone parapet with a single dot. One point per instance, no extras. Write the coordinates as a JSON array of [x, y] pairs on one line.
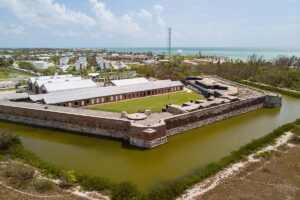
[[148, 136], [273, 100], [138, 134]]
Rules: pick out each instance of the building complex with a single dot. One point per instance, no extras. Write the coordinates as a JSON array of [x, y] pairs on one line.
[[59, 109]]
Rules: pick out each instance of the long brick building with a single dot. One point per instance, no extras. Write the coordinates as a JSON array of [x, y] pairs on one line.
[[99, 95]]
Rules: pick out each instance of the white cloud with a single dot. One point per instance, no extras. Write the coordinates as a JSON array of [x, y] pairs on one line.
[[151, 21], [144, 14], [108, 21], [12, 30], [45, 13], [100, 23], [67, 33]]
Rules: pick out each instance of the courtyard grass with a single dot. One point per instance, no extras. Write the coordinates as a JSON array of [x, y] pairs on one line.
[[153, 103]]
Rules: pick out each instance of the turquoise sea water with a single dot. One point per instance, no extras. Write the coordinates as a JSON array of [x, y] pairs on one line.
[[234, 53]]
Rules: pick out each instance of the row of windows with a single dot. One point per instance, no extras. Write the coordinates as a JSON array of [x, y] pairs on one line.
[[119, 97]]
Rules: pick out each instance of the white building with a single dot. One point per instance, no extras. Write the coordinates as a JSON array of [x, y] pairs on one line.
[[131, 81], [40, 64], [6, 56], [68, 84], [63, 61], [103, 64], [115, 55], [149, 62], [81, 63], [119, 65]]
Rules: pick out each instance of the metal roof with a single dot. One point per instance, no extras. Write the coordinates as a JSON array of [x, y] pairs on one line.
[[33, 79], [39, 82], [88, 93], [131, 81], [68, 84]]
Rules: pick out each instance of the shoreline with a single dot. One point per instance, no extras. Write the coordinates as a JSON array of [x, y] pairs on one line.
[[212, 182]]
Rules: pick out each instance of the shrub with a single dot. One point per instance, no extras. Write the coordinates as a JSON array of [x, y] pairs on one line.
[[26, 173], [295, 139], [19, 175], [296, 130], [90, 183], [273, 89], [20, 172], [68, 178], [129, 191], [7, 139], [266, 155], [43, 185], [126, 191]]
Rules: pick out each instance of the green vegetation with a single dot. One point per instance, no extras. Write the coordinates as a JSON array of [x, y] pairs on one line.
[[296, 137], [55, 60], [272, 88], [275, 72], [265, 154], [127, 190], [177, 188], [153, 103], [49, 71], [68, 178], [27, 66], [91, 62], [19, 175], [12, 148], [7, 139], [43, 185], [6, 73], [6, 62]]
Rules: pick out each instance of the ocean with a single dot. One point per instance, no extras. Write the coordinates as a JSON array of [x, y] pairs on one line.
[[233, 53]]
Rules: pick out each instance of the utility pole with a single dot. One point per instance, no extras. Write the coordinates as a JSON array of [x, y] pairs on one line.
[[169, 40]]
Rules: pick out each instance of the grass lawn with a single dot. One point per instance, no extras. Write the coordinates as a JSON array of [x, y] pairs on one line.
[[153, 103]]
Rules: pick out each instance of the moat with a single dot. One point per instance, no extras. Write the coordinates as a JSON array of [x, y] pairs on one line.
[[179, 157]]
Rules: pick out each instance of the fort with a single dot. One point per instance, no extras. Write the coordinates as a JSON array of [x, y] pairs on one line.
[[225, 99]]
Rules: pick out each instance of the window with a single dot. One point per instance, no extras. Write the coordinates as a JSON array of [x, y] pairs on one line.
[[76, 103]]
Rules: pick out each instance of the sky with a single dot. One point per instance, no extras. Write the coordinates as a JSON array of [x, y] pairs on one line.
[[144, 23]]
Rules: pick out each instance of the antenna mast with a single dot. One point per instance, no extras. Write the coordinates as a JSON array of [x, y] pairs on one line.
[[169, 40]]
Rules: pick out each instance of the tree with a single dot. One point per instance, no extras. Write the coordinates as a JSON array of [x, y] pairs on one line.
[[27, 66]]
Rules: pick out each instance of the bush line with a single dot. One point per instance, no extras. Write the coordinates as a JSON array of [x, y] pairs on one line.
[[272, 88], [129, 191]]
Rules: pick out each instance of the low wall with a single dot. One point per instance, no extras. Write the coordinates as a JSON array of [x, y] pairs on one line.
[[188, 121], [137, 134], [65, 121], [148, 136]]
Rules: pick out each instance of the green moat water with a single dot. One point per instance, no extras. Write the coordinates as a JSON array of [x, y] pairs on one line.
[[179, 157]]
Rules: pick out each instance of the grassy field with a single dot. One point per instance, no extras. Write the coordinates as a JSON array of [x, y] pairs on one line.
[[6, 73], [153, 103]]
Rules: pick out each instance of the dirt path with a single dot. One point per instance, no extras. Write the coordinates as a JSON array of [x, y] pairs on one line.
[[274, 178], [14, 186], [7, 193]]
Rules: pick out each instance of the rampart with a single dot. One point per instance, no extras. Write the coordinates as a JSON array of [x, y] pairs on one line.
[[137, 134], [196, 119]]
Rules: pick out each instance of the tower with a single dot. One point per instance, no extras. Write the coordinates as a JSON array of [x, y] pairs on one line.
[[169, 40]]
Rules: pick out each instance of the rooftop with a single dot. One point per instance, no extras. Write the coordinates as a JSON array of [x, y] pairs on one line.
[[68, 84], [88, 93], [130, 81]]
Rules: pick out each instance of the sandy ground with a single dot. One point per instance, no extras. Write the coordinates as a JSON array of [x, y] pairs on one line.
[[10, 188], [274, 178], [271, 173], [11, 194]]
